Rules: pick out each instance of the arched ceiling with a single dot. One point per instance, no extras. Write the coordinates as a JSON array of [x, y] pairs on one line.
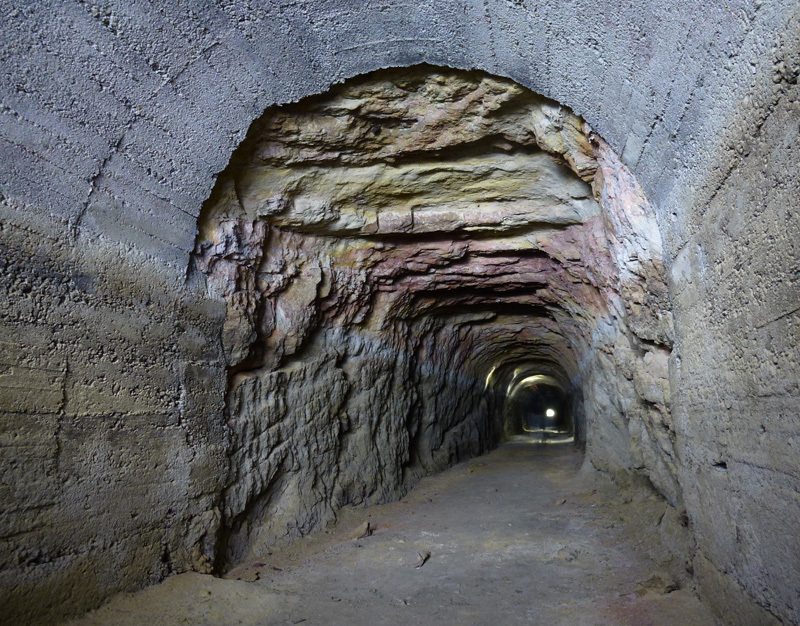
[[174, 88]]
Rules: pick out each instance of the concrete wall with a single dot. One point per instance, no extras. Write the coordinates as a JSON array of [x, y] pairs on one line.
[[736, 291], [115, 118]]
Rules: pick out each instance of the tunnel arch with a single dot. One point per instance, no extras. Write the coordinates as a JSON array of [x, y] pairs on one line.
[[539, 408], [443, 229]]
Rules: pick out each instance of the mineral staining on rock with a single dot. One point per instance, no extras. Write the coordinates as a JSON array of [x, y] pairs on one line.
[[392, 256]]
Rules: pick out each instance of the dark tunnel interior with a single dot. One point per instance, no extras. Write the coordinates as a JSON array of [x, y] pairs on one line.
[[539, 410]]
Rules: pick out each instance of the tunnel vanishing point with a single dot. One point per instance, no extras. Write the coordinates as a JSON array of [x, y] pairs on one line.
[[262, 261]]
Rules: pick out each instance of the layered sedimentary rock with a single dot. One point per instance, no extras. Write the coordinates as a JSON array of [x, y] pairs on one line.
[[393, 257]]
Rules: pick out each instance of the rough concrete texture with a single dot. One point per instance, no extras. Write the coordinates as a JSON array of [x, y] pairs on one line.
[[115, 119], [543, 544]]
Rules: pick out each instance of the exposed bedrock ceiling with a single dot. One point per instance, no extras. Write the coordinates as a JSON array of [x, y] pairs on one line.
[[394, 255]]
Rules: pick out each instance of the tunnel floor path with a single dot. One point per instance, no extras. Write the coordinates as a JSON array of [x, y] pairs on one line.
[[518, 536]]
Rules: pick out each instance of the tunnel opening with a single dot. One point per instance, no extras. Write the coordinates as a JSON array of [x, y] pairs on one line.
[[415, 266], [538, 410]]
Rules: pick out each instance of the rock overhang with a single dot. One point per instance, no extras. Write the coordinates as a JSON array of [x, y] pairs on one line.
[[451, 188]]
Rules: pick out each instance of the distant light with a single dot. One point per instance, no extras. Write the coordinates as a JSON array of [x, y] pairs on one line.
[[550, 413]]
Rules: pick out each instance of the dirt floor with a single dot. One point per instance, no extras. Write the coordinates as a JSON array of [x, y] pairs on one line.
[[519, 536]]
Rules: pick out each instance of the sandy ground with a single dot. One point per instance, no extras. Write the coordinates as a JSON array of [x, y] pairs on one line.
[[519, 536]]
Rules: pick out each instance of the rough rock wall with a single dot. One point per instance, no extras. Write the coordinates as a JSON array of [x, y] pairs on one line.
[[368, 242]]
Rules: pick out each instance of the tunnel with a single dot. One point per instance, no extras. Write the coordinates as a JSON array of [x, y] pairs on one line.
[[398, 246], [538, 408], [444, 314]]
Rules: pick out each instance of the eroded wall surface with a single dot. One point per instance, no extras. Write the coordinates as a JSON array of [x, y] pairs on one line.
[[116, 119], [391, 256]]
